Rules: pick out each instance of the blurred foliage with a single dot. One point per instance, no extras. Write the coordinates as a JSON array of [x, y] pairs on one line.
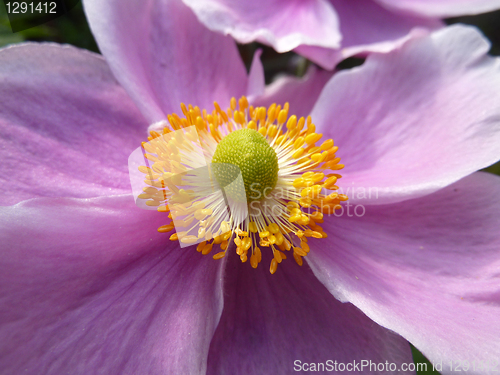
[[73, 29]]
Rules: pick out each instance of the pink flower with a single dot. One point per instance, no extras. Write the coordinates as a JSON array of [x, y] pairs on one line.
[[88, 285], [328, 31]]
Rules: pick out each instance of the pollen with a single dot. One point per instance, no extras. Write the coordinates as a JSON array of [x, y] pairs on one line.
[[289, 181]]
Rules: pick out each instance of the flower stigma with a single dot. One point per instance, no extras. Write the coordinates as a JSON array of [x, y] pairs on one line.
[[252, 176]]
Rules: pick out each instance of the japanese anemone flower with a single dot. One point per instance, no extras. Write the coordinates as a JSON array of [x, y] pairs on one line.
[[328, 31], [89, 285]]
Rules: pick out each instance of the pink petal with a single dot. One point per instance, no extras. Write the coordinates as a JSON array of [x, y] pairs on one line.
[[90, 287], [256, 78], [163, 56], [270, 321], [282, 24], [66, 126], [369, 27], [442, 8], [301, 93], [426, 268], [413, 121]]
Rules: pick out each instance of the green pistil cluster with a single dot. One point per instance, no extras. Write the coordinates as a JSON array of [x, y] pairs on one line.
[[249, 151]]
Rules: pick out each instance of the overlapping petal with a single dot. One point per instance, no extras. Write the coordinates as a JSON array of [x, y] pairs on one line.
[[283, 24], [271, 321], [163, 56], [368, 27], [413, 121], [90, 287], [66, 126], [442, 8], [427, 268]]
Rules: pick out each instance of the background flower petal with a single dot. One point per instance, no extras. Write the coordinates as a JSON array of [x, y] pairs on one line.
[[413, 121], [368, 27], [256, 78], [89, 286], [301, 93], [66, 126], [163, 56], [427, 268], [442, 8], [282, 24], [269, 321]]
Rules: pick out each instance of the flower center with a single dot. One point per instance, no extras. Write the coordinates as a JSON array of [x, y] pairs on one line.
[[289, 180], [257, 161]]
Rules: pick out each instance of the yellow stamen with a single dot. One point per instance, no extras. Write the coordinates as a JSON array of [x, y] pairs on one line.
[[305, 175]]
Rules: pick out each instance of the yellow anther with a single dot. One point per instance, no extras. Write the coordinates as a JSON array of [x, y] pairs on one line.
[[301, 123], [298, 153], [272, 131], [232, 103], [247, 243], [298, 259], [277, 256], [292, 122], [327, 145], [313, 138], [261, 113], [263, 131], [274, 228], [298, 142], [279, 238], [299, 182], [189, 239], [315, 191], [207, 249], [264, 234], [305, 202], [317, 177], [243, 103], [305, 247], [220, 255], [317, 215], [254, 261], [258, 253], [282, 116], [330, 181], [271, 113], [274, 266], [281, 139], [299, 251], [239, 117], [294, 218], [252, 227], [252, 125], [166, 228], [200, 246], [224, 244], [305, 192]]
